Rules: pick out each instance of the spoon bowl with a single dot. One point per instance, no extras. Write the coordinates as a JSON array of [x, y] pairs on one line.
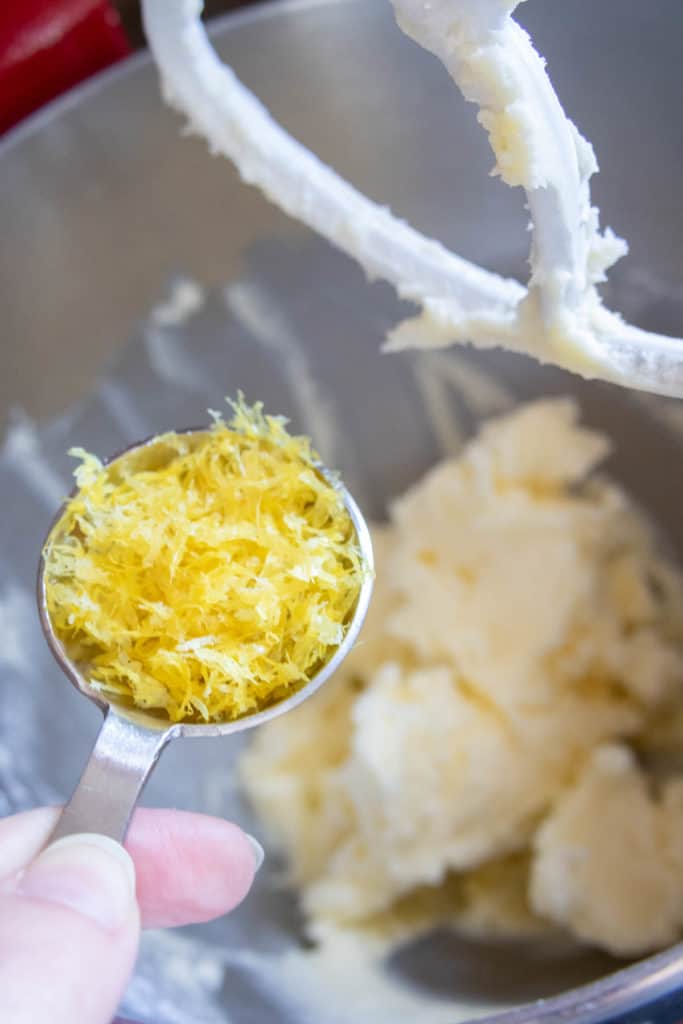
[[130, 741]]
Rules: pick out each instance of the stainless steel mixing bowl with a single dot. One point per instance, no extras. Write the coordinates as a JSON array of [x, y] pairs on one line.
[[104, 206]]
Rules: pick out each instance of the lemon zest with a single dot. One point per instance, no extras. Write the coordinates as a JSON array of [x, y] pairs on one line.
[[205, 576]]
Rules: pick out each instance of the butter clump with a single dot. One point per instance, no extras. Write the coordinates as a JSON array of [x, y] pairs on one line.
[[525, 634]]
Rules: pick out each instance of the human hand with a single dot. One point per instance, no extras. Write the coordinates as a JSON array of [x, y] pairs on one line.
[[70, 916]]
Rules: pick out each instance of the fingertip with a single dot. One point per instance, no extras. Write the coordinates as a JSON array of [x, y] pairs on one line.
[[88, 873], [64, 914], [191, 868]]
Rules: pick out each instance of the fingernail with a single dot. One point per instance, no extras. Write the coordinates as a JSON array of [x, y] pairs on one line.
[[257, 850], [88, 873]]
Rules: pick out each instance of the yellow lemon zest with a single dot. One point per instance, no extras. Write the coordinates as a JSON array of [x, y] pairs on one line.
[[205, 576]]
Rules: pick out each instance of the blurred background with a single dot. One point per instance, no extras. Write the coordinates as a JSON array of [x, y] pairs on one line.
[[48, 46]]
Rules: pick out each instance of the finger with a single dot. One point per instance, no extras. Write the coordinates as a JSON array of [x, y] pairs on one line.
[[190, 867], [69, 930]]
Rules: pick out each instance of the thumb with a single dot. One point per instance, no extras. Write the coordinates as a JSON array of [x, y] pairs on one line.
[[69, 930]]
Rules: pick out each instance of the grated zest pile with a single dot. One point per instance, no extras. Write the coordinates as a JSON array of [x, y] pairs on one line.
[[206, 576]]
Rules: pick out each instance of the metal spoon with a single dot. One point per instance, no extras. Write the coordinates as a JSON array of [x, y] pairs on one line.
[[130, 742]]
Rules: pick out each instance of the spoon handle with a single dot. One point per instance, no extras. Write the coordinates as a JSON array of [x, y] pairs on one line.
[[119, 766]]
